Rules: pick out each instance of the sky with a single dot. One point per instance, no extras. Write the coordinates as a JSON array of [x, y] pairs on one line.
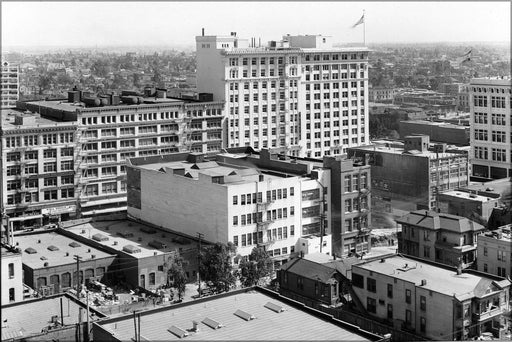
[[162, 23]]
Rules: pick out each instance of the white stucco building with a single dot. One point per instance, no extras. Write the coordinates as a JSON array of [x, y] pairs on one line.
[[300, 93]]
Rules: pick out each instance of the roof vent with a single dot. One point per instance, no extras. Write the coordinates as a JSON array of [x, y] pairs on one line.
[[244, 315], [53, 248], [83, 231], [177, 331], [38, 241], [67, 253], [115, 243], [46, 264], [423, 282], [30, 250], [212, 323], [74, 244], [93, 256], [88, 250], [274, 307]]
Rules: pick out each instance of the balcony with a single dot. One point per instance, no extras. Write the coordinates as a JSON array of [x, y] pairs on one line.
[[482, 316]]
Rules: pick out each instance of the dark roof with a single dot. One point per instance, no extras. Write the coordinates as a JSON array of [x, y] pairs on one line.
[[434, 220], [309, 269]]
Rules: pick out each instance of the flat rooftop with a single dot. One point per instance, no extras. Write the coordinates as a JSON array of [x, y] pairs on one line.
[[6, 252], [118, 235], [439, 279], [495, 81], [34, 120], [55, 249], [467, 196], [435, 123], [30, 317], [292, 324], [392, 149], [239, 174]]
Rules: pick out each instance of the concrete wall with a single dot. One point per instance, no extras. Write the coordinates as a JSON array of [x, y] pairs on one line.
[[184, 205], [210, 68], [494, 245], [16, 281], [440, 133]]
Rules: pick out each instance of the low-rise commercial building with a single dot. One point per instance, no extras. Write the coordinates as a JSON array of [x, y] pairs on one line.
[[50, 265], [433, 301], [54, 318], [438, 131], [495, 252], [439, 237], [143, 254], [12, 275], [243, 315], [475, 205], [411, 175]]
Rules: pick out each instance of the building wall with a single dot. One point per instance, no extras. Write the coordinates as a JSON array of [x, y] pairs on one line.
[[290, 286], [473, 210], [290, 86], [14, 280], [194, 206], [490, 127], [487, 249], [439, 133]]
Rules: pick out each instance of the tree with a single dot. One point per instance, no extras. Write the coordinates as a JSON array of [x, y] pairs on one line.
[[216, 265], [176, 273], [257, 266]]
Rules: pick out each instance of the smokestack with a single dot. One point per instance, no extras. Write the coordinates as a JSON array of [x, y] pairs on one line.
[[259, 42], [202, 31]]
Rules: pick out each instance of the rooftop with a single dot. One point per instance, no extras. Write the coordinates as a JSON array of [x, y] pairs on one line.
[[434, 123], [391, 148], [295, 323], [439, 279], [468, 196], [434, 220], [309, 269], [10, 252], [502, 80], [30, 317], [132, 238], [30, 120], [502, 234], [54, 249]]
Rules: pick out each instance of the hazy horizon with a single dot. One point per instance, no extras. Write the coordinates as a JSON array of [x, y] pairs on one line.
[[40, 25]]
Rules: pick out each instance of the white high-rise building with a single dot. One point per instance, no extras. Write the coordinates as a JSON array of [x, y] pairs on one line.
[[300, 93], [10, 88], [491, 137]]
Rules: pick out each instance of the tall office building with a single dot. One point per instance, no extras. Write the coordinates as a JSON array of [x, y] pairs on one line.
[[300, 93], [491, 140], [10, 84]]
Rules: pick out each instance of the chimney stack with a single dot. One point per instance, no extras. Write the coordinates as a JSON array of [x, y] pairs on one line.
[[202, 31]]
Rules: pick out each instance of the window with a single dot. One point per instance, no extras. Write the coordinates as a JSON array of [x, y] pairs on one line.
[[501, 255], [371, 285], [66, 165], [152, 278], [408, 315], [390, 290], [12, 297], [485, 251], [423, 303], [371, 305], [408, 296], [235, 200], [11, 270], [423, 324], [235, 220], [50, 167], [300, 283], [357, 280]]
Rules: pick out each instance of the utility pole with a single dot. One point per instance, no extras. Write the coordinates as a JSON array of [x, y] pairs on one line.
[[87, 339], [77, 258], [199, 237]]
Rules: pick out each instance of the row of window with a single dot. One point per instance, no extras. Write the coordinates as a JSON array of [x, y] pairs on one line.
[[41, 139], [263, 84], [33, 155], [496, 119], [496, 136], [272, 195], [272, 215], [255, 238]]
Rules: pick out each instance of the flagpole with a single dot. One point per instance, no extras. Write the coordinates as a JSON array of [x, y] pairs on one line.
[[364, 28]]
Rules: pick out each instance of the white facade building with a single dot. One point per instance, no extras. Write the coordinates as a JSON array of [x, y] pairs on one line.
[[301, 93], [227, 200], [491, 140], [10, 84]]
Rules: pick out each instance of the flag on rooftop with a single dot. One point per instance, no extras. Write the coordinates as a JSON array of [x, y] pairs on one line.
[[359, 22]]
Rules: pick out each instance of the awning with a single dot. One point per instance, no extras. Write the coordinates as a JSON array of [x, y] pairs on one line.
[[24, 218], [105, 201]]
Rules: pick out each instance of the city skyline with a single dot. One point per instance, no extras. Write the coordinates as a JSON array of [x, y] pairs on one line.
[[177, 23]]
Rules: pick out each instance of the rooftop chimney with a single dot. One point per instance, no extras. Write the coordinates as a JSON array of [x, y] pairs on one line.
[[202, 31]]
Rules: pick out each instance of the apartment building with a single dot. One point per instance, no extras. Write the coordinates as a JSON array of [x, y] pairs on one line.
[[74, 150], [12, 274], [412, 175], [249, 200], [491, 139], [439, 237], [432, 300], [300, 93], [382, 94], [495, 252], [473, 204], [38, 176], [10, 88]]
